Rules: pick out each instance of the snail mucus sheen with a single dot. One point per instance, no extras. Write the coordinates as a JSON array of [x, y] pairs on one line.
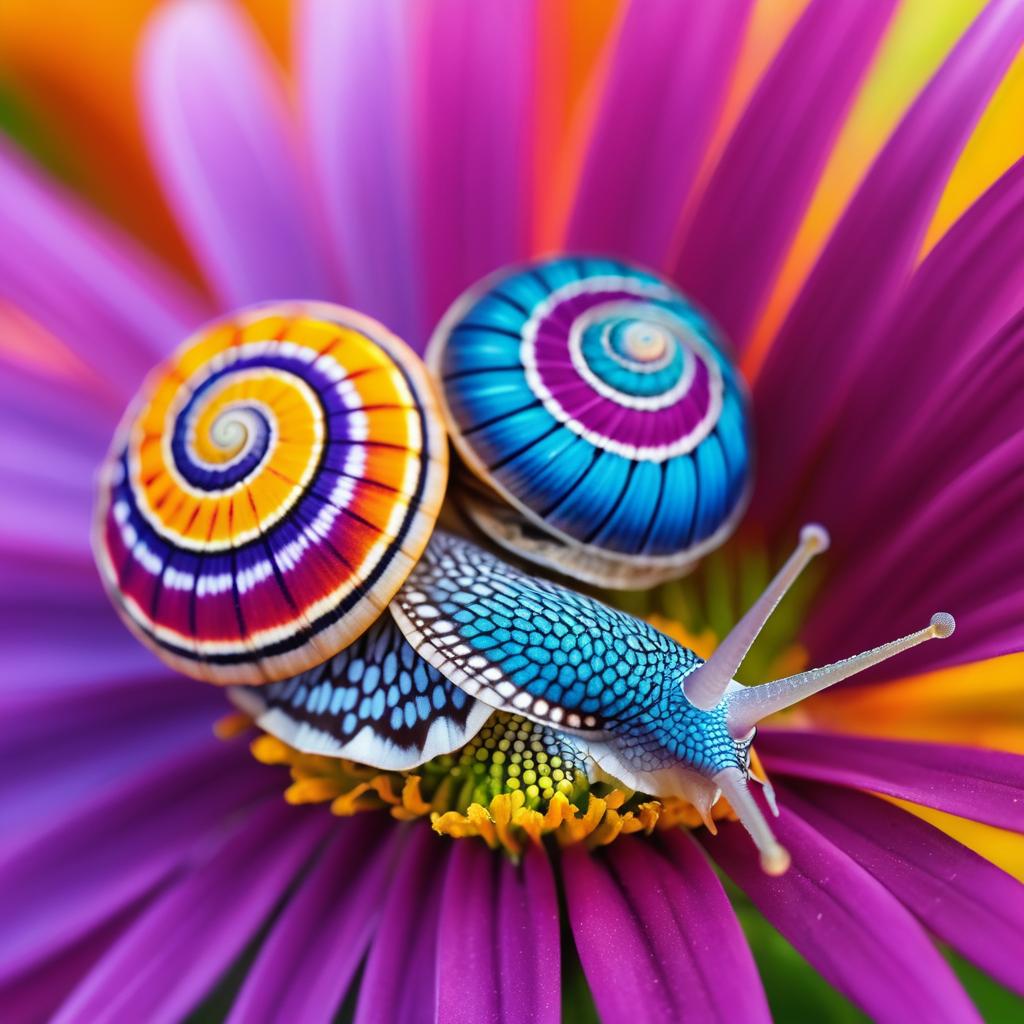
[[267, 519]]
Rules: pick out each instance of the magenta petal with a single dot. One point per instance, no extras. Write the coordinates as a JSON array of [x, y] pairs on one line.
[[962, 551], [353, 66], [657, 937], [399, 983], [847, 924], [36, 994], [983, 785], [498, 953], [834, 326], [217, 122], [961, 897], [936, 397], [752, 205], [177, 949], [474, 115], [307, 962], [84, 282], [671, 64], [127, 839]]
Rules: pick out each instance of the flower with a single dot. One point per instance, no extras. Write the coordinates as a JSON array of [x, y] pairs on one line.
[[149, 866]]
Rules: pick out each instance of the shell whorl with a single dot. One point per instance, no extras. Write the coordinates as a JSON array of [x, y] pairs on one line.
[[600, 404], [269, 491]]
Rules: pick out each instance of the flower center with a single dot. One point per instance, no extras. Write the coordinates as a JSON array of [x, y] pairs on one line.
[[515, 782]]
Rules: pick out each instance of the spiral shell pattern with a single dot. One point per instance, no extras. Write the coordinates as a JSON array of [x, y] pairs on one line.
[[599, 402], [269, 491]]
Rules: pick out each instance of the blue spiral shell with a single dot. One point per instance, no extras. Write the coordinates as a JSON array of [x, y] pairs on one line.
[[599, 403]]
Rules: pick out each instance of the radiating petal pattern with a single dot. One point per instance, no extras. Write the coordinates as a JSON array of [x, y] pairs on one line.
[[309, 958], [865, 265], [160, 814], [473, 132], [847, 925], [219, 131], [966, 901], [82, 280], [751, 207], [983, 785], [357, 123], [399, 981], [502, 965], [165, 963], [633, 918], [668, 73]]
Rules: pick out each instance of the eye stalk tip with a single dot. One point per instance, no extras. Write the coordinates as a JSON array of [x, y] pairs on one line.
[[775, 860], [815, 537], [943, 625]]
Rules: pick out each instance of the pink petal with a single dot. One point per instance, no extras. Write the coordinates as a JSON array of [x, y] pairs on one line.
[[84, 282], [847, 925], [983, 785], [217, 123], [356, 88], [172, 955], [670, 67], [961, 897], [753, 203], [834, 327], [656, 935], [498, 956], [474, 115], [333, 913]]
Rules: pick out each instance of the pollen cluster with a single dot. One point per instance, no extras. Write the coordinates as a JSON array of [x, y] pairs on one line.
[[515, 782]]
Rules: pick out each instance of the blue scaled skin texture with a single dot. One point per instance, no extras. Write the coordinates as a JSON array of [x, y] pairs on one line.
[[564, 659]]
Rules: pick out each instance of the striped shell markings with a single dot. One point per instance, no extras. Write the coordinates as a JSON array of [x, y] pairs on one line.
[[603, 414], [269, 491]]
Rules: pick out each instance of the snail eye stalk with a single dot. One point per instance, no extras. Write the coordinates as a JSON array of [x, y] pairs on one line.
[[705, 687], [749, 706]]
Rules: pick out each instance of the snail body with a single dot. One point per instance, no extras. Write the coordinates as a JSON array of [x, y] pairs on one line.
[[267, 518]]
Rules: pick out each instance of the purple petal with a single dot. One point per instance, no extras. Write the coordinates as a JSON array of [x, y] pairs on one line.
[[833, 329], [42, 598], [498, 954], [87, 284], [658, 934], [172, 955], [848, 926], [217, 123], [36, 994], [127, 839], [399, 983], [752, 205], [670, 67], [983, 785], [962, 551], [474, 115], [940, 349], [103, 735], [309, 959], [358, 130], [961, 897]]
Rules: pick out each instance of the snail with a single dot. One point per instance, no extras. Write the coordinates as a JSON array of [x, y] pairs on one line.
[[604, 424], [267, 518]]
